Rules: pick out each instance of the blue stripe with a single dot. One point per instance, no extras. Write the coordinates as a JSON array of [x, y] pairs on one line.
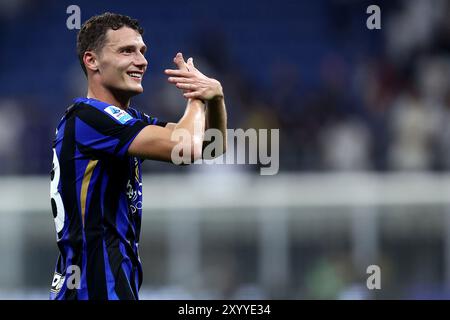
[[110, 280], [136, 283], [101, 106], [80, 167], [134, 113], [105, 179]]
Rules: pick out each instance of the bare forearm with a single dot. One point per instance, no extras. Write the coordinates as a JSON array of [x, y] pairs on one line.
[[193, 120], [216, 118], [196, 85]]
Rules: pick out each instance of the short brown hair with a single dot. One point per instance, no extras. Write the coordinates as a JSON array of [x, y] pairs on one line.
[[92, 34]]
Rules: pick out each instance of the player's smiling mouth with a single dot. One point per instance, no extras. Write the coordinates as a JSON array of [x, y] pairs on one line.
[[135, 74]]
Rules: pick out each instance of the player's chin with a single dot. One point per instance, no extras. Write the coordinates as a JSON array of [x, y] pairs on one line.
[[135, 89], [139, 89]]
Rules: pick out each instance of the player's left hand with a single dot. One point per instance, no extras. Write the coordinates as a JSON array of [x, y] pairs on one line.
[[195, 84]]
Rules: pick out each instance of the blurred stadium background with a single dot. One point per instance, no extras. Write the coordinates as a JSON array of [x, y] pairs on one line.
[[364, 148]]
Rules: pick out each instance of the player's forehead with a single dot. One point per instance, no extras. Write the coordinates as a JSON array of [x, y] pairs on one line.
[[124, 36]]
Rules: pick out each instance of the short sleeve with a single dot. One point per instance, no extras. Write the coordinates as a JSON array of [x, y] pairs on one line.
[[105, 131], [148, 119], [153, 120]]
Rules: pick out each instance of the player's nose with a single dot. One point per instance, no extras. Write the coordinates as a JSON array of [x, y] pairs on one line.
[[141, 61]]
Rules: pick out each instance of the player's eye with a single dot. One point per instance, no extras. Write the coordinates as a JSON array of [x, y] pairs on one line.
[[126, 50]]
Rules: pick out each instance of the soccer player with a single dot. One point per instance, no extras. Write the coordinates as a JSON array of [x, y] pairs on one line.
[[96, 188]]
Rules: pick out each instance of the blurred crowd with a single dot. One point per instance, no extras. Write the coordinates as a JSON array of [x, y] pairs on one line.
[[375, 100], [344, 98]]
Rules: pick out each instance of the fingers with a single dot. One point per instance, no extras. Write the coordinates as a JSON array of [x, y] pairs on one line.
[[192, 94], [186, 86], [179, 73], [180, 79], [184, 68], [179, 62], [184, 78], [190, 63]]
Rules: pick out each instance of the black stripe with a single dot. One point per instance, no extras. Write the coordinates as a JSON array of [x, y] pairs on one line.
[[95, 266], [94, 154], [116, 183], [123, 288], [107, 126], [132, 238], [97, 119], [130, 134], [146, 118], [69, 198], [160, 123]]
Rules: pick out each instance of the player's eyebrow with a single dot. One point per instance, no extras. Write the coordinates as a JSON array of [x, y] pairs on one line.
[[143, 48]]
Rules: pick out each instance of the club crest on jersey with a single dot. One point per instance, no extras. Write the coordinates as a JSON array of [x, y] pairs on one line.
[[120, 115]]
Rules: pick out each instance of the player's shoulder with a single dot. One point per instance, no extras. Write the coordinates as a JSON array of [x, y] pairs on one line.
[[81, 104], [142, 116], [87, 103], [88, 107]]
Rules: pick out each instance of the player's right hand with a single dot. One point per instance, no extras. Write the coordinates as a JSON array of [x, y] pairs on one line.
[[195, 85]]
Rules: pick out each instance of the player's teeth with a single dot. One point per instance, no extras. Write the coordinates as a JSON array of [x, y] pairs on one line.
[[135, 75]]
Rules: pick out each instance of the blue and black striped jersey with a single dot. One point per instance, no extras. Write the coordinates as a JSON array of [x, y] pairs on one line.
[[96, 199]]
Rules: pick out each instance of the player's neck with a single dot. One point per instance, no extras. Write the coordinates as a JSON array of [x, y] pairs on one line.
[[109, 97]]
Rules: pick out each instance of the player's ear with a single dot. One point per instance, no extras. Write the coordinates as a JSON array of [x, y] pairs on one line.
[[90, 61]]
